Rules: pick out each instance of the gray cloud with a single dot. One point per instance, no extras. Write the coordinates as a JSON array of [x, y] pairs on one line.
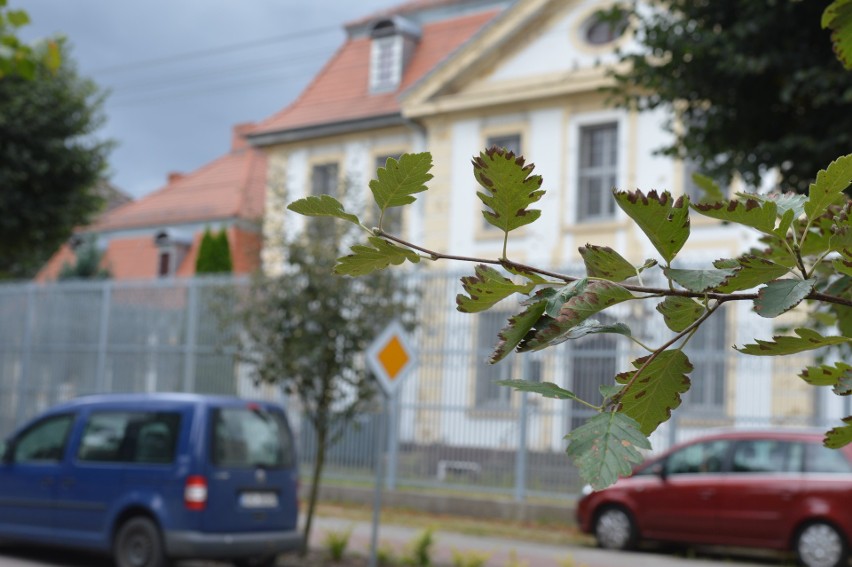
[[170, 111]]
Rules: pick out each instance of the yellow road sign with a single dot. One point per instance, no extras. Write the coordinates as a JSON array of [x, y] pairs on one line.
[[390, 356]]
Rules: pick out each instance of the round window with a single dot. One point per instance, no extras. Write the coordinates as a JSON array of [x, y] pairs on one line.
[[600, 29]]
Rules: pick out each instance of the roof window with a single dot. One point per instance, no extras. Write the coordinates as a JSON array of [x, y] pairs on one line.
[[393, 43]]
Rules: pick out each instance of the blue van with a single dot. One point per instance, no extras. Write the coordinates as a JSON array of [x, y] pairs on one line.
[[154, 477]]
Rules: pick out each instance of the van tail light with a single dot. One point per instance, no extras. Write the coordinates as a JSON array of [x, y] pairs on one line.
[[195, 493]]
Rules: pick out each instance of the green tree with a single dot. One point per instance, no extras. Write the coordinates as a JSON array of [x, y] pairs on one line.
[[50, 163], [753, 86], [308, 333], [18, 58], [87, 265], [214, 253]]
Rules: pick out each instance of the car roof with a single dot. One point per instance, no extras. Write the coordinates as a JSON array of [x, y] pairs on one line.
[[151, 398]]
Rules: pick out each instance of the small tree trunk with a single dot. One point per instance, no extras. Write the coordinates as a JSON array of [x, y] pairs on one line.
[[319, 463]]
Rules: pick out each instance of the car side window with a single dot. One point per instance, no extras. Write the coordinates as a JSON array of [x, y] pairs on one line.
[[699, 458], [760, 456], [44, 442], [130, 437], [820, 459]]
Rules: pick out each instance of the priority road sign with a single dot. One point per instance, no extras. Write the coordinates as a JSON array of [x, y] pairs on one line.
[[390, 356]]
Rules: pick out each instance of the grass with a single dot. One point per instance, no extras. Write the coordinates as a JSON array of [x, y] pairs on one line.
[[541, 532]]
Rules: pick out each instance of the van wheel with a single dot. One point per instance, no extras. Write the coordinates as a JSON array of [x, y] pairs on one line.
[[819, 544], [615, 529], [138, 544], [264, 561]]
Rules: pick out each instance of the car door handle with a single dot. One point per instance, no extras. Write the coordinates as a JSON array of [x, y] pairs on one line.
[[706, 494]]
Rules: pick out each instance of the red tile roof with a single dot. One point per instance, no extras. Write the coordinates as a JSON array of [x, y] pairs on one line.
[[232, 186], [340, 92]]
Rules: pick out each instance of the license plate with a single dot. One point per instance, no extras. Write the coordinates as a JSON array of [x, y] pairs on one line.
[[258, 500]]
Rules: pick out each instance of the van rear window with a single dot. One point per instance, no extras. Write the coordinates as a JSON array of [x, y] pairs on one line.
[[130, 437], [251, 437]]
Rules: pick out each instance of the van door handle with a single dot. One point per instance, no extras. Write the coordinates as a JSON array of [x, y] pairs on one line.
[[47, 482], [68, 482]]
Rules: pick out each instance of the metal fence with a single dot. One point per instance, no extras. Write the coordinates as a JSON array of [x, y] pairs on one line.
[[451, 427]]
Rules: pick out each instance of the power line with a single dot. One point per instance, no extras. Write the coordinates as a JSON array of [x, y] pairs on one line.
[[147, 63]]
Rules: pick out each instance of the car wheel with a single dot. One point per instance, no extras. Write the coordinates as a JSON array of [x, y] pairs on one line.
[[820, 545], [615, 529], [138, 544], [264, 561]]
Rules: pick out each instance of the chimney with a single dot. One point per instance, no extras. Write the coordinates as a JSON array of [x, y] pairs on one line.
[[175, 176], [238, 135]]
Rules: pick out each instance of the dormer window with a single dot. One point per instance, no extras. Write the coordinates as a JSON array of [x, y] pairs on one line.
[[172, 246], [393, 43]]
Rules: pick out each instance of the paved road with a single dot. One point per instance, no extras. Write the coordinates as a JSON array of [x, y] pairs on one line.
[[398, 537]]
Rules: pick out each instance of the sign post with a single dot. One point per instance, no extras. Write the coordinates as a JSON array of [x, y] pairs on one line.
[[390, 357]]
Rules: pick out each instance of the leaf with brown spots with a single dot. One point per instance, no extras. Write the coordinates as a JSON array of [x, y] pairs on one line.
[[653, 395], [487, 288], [807, 339], [780, 296], [604, 262], [664, 220], [509, 188], [752, 212]]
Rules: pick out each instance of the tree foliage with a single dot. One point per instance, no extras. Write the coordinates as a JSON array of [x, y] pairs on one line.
[[214, 253], [18, 58], [803, 238], [307, 333], [87, 264], [50, 163], [753, 85]]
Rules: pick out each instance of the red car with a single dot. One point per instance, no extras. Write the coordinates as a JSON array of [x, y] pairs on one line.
[[773, 489]]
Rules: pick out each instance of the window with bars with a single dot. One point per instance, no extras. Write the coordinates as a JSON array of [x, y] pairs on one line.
[[707, 351], [597, 172], [593, 364], [489, 394], [324, 179]]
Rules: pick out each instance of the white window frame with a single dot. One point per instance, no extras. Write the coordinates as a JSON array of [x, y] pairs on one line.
[[619, 118], [386, 63]]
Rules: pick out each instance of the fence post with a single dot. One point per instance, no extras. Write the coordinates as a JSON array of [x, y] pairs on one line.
[[189, 351], [521, 455], [21, 408], [103, 336], [393, 438]]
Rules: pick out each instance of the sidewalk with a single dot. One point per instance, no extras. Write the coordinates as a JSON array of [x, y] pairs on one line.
[[500, 549]]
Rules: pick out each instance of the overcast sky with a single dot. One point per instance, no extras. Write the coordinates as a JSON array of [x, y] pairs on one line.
[[182, 72]]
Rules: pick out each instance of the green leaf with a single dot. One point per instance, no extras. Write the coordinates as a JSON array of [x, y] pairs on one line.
[[712, 192], [843, 266], [807, 339], [368, 259], [825, 375], [609, 391], [829, 185], [487, 288], [838, 18], [783, 202], [17, 18], [53, 58], [680, 312], [753, 213], [518, 328], [593, 327], [322, 206], [546, 389], [559, 297], [780, 296], [656, 392], [839, 436], [604, 262], [398, 181], [606, 447], [753, 271], [597, 296], [699, 281], [530, 275], [509, 188], [663, 220]]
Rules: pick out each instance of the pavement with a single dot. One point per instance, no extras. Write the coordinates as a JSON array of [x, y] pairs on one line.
[[527, 554]]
